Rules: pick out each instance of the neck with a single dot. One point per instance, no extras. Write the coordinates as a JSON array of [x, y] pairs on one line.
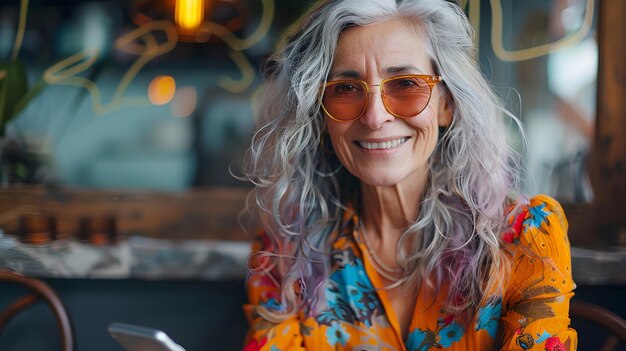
[[389, 210]]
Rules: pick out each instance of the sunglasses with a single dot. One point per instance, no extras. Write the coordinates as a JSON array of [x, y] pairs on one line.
[[403, 96]]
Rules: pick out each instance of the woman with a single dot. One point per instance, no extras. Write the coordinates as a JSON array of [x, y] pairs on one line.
[[383, 189]]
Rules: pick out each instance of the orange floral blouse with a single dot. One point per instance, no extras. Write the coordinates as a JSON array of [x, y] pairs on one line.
[[531, 315]]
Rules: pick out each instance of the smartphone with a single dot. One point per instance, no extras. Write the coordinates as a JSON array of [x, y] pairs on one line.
[[139, 338]]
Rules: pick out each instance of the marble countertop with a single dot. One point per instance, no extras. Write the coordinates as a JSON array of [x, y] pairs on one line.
[[135, 257], [599, 267], [160, 259]]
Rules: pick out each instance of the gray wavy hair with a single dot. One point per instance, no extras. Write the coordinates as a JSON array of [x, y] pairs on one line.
[[299, 199]]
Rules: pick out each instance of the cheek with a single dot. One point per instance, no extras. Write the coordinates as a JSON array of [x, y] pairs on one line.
[[340, 143], [425, 123], [427, 129]]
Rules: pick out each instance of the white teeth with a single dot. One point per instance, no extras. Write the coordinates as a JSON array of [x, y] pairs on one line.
[[382, 145]]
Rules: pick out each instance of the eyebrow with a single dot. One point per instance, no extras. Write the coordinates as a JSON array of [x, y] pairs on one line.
[[352, 74], [403, 69]]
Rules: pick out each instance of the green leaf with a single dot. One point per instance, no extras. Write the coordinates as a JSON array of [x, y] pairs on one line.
[[13, 89], [21, 171]]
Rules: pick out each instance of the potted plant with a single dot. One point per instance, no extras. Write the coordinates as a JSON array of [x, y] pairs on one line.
[[15, 161]]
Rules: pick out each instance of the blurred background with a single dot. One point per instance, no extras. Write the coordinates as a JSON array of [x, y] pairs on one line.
[[127, 95], [121, 121], [133, 94]]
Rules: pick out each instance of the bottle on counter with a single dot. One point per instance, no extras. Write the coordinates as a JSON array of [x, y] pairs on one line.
[[98, 230], [36, 228]]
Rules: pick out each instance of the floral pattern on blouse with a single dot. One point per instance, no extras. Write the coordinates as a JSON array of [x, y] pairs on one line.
[[532, 314], [350, 296]]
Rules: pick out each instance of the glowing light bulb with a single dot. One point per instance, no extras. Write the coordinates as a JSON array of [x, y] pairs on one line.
[[189, 14], [161, 90]]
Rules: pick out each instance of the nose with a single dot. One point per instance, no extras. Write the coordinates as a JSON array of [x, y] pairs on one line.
[[375, 114]]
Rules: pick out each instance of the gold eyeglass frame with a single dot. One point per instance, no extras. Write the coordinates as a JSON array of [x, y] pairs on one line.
[[427, 78]]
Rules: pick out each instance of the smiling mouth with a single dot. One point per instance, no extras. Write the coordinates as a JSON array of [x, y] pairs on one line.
[[383, 145]]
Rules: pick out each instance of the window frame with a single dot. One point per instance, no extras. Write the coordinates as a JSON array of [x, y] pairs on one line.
[[602, 223]]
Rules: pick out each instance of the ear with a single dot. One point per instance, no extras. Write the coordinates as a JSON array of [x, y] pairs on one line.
[[446, 108]]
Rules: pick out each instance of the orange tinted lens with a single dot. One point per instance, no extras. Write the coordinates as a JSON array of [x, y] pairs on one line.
[[406, 96], [345, 100]]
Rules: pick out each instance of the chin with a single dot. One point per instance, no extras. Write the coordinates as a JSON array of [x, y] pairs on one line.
[[385, 179]]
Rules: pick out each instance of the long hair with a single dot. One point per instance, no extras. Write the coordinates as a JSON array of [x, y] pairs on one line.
[[300, 193]]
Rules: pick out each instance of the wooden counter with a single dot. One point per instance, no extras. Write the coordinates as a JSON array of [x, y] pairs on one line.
[[208, 213]]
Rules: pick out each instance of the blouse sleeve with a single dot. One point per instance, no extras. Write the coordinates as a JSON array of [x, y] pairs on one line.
[[536, 302], [264, 333]]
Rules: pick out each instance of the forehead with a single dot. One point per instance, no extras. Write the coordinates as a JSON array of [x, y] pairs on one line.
[[382, 47]]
